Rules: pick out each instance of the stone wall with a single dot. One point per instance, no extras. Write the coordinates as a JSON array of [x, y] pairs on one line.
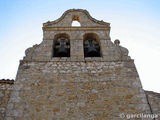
[[75, 87], [76, 90], [154, 101], [6, 87]]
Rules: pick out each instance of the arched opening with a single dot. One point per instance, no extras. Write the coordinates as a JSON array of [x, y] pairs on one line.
[[75, 21], [91, 45], [61, 45], [75, 24]]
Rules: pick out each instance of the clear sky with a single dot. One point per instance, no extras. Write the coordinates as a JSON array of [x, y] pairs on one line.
[[136, 23]]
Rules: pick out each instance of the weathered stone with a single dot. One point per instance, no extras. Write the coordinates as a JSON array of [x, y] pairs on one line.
[[75, 87]]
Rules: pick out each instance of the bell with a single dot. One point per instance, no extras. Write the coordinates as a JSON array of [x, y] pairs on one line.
[[62, 52], [92, 52]]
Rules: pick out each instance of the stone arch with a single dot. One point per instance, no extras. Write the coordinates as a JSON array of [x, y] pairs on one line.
[[76, 19], [91, 45], [61, 46]]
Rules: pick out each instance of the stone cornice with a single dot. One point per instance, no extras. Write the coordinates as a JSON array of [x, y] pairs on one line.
[[70, 60], [75, 28]]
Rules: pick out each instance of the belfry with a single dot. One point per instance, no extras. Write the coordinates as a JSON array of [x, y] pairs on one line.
[[76, 73]]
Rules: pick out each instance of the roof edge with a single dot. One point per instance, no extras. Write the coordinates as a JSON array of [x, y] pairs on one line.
[[6, 81]]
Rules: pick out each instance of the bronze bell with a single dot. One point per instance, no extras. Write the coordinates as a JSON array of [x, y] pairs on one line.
[[92, 51], [62, 51]]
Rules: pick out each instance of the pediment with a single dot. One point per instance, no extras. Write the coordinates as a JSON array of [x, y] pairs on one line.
[[80, 15]]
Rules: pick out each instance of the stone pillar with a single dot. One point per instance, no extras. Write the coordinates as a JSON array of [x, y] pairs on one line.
[[76, 50]]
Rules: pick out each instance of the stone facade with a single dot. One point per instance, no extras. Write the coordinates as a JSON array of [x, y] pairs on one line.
[[77, 87], [6, 87]]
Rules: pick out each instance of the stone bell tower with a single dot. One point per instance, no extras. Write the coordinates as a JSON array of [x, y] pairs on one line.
[[76, 73]]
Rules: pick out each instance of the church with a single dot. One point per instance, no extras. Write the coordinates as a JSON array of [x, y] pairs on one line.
[[76, 73]]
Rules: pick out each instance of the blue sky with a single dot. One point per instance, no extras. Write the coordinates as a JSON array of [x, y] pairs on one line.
[[135, 23]]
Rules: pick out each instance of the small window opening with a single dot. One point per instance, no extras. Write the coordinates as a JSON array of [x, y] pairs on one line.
[[75, 24], [75, 21]]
